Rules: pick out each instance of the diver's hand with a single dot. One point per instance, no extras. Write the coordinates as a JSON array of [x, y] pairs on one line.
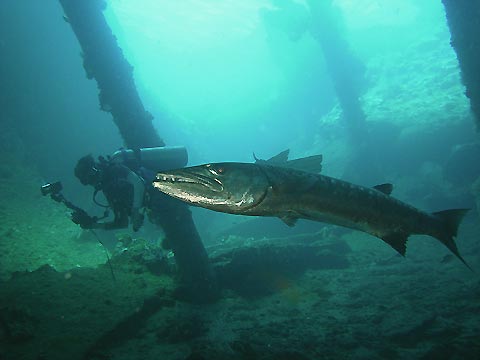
[[84, 220], [137, 219]]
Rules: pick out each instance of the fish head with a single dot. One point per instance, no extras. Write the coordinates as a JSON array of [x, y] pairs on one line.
[[226, 187]]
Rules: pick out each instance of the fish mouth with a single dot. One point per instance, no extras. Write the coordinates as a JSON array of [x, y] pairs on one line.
[[185, 179]]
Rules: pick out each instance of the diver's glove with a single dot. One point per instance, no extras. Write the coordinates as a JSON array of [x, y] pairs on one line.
[[83, 219], [137, 219]]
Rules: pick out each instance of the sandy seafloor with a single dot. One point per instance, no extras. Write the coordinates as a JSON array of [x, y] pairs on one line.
[[374, 305]]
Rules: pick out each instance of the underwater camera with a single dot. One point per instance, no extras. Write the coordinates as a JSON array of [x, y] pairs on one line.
[[51, 188]]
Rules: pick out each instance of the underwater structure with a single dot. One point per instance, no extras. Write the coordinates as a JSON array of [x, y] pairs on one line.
[[348, 73], [463, 21], [103, 61], [308, 292]]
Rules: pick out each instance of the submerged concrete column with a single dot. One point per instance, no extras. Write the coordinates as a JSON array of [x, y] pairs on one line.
[[345, 69], [463, 18], [103, 61], [348, 76]]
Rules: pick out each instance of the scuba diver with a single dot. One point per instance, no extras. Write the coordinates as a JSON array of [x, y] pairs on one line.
[[125, 178], [123, 189]]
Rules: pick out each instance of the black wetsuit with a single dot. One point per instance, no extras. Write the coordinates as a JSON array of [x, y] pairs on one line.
[[118, 192]]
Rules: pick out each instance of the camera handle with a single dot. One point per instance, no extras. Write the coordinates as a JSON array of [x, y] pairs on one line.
[[58, 197]]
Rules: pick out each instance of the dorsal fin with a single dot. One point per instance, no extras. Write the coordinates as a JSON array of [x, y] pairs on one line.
[[312, 164], [279, 158], [384, 188]]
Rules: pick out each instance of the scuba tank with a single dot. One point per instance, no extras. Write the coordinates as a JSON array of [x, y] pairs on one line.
[[155, 158]]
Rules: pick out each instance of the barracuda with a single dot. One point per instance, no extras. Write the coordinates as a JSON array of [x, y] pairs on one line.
[[264, 190]]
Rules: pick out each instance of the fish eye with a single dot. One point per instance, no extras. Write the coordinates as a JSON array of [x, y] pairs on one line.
[[220, 170]]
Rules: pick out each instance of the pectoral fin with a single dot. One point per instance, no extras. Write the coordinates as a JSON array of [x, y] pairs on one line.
[[384, 188], [289, 220]]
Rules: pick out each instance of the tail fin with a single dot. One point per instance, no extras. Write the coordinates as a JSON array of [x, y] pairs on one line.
[[451, 219]]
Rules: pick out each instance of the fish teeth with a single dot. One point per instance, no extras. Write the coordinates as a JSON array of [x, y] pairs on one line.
[[171, 178]]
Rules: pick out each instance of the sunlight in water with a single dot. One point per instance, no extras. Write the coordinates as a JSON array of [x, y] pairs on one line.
[[197, 58]]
